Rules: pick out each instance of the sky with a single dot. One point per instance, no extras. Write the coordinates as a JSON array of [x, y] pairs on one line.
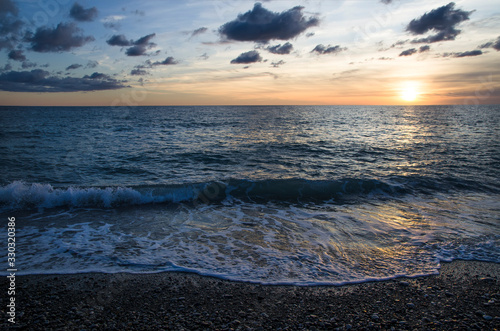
[[241, 52]]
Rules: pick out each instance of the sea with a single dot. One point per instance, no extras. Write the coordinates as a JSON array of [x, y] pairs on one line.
[[298, 195]]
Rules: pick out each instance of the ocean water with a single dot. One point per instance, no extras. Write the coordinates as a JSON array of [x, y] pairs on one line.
[[304, 195]]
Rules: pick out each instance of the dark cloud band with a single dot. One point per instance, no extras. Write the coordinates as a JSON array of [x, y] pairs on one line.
[[40, 81]]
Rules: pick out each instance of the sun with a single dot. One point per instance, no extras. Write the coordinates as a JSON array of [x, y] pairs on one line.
[[409, 95], [409, 92]]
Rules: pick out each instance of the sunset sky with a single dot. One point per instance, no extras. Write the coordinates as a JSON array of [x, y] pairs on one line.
[[369, 52]]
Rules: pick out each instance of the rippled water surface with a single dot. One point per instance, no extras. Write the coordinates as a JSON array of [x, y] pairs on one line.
[[288, 194]]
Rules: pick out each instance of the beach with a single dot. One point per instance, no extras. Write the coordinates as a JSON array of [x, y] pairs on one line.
[[465, 294]]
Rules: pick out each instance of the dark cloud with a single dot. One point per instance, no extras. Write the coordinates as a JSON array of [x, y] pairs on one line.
[[83, 15], [424, 48], [412, 51], [8, 7], [74, 66], [260, 24], [97, 75], [198, 31], [322, 49], [281, 49], [496, 45], [143, 41], [492, 44], [10, 25], [486, 45], [139, 47], [139, 72], [386, 1], [475, 52], [119, 40], [17, 55], [168, 61], [277, 64], [91, 64], [64, 37], [247, 57], [399, 43], [28, 64], [408, 52], [40, 81], [442, 20]]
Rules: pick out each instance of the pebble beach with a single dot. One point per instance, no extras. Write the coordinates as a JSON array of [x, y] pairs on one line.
[[465, 295]]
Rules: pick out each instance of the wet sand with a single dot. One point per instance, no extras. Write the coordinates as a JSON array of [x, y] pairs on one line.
[[465, 295]]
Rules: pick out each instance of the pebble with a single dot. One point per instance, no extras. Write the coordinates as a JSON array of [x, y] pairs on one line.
[[487, 317], [404, 283], [375, 317], [410, 305], [480, 313]]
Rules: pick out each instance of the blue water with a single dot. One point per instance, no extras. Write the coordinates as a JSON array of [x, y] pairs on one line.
[[276, 195]]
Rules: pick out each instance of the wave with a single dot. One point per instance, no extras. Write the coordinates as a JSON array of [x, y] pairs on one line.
[[21, 195]]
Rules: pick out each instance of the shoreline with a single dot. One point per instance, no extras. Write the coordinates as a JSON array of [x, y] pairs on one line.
[[465, 294]]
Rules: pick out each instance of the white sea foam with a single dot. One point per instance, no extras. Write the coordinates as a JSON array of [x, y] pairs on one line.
[[266, 243]]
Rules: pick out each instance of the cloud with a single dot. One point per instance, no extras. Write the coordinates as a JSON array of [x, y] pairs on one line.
[[424, 48], [74, 66], [139, 47], [91, 64], [408, 52], [247, 57], [260, 24], [492, 44], [10, 26], [386, 1], [40, 81], [8, 7], [112, 21], [119, 40], [28, 64], [199, 31], [475, 52], [496, 45], [277, 64], [412, 51], [17, 55], [322, 49], [279, 49], [442, 20], [64, 37], [83, 15], [168, 61], [139, 70]]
